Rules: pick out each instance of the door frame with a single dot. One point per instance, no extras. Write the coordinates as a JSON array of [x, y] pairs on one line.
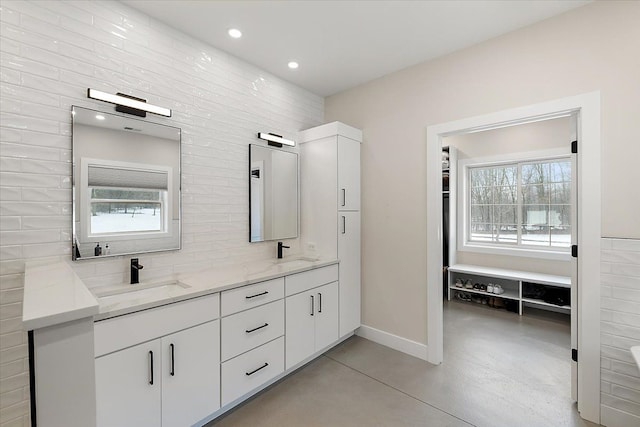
[[587, 106]]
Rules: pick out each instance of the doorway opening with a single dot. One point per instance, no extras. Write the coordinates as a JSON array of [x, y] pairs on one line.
[[508, 211], [586, 110]]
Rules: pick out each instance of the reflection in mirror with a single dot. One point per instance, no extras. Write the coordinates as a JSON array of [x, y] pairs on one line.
[[126, 185], [273, 194]]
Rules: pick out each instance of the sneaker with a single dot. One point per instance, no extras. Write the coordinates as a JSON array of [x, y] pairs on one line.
[[497, 289], [459, 283], [490, 288], [468, 284]]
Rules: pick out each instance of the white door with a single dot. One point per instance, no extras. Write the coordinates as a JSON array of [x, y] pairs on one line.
[[128, 387], [348, 174], [300, 327], [190, 374], [349, 255], [326, 315]]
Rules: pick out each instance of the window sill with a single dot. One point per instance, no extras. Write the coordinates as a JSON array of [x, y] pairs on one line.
[[516, 251]]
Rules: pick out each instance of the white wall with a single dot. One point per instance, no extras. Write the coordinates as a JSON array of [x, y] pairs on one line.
[[620, 325], [526, 138], [590, 48], [51, 53]]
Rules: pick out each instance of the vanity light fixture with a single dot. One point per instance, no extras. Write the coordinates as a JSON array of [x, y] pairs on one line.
[[275, 140], [128, 104]]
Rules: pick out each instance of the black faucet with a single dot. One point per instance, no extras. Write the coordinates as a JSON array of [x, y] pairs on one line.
[[135, 271], [280, 247]]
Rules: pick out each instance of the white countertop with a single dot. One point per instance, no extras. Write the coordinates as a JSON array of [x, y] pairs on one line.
[[54, 294]]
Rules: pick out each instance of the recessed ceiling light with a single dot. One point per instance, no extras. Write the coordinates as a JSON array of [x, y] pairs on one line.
[[99, 117], [293, 65], [235, 33]]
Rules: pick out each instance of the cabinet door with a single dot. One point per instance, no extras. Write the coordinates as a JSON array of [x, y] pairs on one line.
[[348, 174], [128, 387], [300, 327], [190, 374], [326, 315], [349, 255]]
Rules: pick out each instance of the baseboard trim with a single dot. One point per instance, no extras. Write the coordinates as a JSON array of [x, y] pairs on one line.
[[612, 417], [395, 342]]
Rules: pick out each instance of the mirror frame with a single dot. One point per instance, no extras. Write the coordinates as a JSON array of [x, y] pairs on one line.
[[297, 191], [174, 183]]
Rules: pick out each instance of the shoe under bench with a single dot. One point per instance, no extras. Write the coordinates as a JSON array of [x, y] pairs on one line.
[[524, 287]]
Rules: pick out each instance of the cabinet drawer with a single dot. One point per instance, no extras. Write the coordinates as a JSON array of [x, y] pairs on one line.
[[252, 369], [251, 328], [310, 279], [124, 331], [235, 300]]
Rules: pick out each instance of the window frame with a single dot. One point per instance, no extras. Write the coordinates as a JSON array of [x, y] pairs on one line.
[[464, 206], [86, 201]]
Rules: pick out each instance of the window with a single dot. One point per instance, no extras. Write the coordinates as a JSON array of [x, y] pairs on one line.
[[520, 204], [125, 210], [125, 199]]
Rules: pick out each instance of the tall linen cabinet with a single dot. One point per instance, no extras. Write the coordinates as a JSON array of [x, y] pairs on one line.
[[330, 208]]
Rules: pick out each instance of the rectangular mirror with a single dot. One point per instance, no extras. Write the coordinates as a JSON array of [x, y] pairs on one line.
[[126, 185], [273, 194]]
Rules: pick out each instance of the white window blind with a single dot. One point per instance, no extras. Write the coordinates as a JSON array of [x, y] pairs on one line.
[[102, 176]]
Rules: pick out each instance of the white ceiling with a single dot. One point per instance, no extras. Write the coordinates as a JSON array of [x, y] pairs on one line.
[[342, 44]]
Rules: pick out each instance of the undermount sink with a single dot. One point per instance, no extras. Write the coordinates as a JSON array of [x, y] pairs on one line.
[[152, 291], [290, 262]]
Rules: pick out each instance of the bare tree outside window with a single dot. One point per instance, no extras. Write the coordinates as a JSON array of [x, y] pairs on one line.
[[525, 204]]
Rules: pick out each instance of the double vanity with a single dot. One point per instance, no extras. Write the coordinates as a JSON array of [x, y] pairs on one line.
[[176, 352], [186, 349]]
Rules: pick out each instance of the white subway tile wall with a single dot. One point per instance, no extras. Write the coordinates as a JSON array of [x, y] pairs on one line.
[[620, 330], [50, 53]]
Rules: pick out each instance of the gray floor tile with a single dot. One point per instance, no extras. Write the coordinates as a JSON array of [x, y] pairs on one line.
[[327, 393], [500, 370]]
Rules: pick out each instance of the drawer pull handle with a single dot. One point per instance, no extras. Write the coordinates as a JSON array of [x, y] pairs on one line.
[[256, 370], [344, 197], [173, 359], [151, 367], [312, 305], [257, 295], [320, 301], [255, 329]]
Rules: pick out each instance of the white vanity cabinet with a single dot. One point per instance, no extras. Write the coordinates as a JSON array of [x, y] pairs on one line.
[[252, 343], [348, 173], [312, 322], [311, 313], [171, 378], [124, 390], [330, 208]]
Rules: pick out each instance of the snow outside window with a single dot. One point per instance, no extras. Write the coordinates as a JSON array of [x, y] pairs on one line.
[[523, 204]]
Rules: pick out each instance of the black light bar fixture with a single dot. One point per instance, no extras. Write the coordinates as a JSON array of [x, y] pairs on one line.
[[276, 140], [128, 104]]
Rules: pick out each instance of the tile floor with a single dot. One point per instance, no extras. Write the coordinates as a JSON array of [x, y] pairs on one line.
[[499, 370]]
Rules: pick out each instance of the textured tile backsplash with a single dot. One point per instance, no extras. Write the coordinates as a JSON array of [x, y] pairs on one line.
[[51, 52], [620, 329]]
